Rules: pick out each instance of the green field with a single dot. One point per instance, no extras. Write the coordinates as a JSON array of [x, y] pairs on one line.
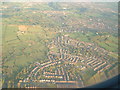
[[30, 32]]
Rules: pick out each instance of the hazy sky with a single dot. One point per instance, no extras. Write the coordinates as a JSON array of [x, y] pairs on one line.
[[59, 0]]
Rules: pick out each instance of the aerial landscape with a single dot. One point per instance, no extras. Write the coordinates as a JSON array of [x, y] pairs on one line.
[[58, 44]]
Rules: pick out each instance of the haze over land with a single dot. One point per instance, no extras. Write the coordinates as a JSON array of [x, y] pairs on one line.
[[58, 45]]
